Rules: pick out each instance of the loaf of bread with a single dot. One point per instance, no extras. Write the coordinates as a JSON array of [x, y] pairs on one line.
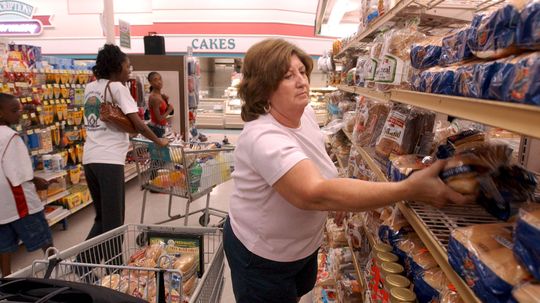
[[426, 53], [526, 235], [185, 263], [527, 30], [370, 123], [501, 81], [455, 48], [154, 251], [429, 284], [111, 281], [524, 86], [482, 255]]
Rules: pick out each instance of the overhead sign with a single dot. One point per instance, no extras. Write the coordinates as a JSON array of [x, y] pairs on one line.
[[125, 34], [17, 19], [213, 44]]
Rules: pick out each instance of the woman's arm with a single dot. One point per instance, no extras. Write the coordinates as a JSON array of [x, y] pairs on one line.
[[304, 187], [145, 131], [155, 102]]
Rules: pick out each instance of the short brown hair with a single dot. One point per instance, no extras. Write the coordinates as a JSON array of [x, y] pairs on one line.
[[265, 65]]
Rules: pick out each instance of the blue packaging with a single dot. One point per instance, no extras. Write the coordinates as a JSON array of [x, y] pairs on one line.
[[528, 30], [455, 48], [499, 85], [439, 81], [526, 235], [426, 293], [464, 81], [425, 55], [493, 34], [525, 83], [483, 74], [482, 256]]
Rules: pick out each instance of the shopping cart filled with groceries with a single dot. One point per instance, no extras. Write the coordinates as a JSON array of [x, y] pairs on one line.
[[185, 170]]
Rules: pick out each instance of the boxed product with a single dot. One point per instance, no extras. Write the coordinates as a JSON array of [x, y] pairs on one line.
[[528, 36], [526, 235], [72, 200], [455, 48], [482, 255], [493, 33], [426, 53]]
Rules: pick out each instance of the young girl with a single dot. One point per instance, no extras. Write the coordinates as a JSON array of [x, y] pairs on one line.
[[158, 105], [22, 216]]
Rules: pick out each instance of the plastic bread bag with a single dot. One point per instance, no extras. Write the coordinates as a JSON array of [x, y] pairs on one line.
[[400, 167], [506, 190], [526, 293], [360, 71], [373, 116], [426, 53], [417, 82], [493, 32], [526, 235], [450, 295], [528, 36], [466, 138], [370, 67], [394, 228], [525, 84], [499, 85], [455, 48], [349, 119], [437, 80], [482, 255], [429, 285], [483, 75], [361, 116], [464, 80], [394, 70], [349, 289]]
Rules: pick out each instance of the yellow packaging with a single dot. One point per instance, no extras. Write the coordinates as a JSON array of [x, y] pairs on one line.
[[73, 200]]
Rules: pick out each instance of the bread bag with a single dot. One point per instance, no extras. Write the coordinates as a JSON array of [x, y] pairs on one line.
[[426, 53], [455, 48], [528, 31], [526, 238]]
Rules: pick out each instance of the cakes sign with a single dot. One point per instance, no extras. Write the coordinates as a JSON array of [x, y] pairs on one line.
[[17, 19], [213, 43]]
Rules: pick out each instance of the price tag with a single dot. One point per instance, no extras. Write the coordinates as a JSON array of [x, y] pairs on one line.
[[28, 99], [56, 85], [22, 100], [57, 124], [32, 115], [39, 109], [57, 102], [63, 101], [46, 103], [25, 116], [62, 86], [30, 132], [52, 127], [44, 86], [68, 101], [76, 128]]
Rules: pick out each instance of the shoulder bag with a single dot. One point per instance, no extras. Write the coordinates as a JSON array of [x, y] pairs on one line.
[[110, 112]]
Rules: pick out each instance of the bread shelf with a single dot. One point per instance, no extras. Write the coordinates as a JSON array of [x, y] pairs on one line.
[[434, 226], [518, 118]]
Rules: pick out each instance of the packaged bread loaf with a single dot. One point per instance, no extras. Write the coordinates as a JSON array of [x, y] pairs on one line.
[[527, 293], [528, 36], [394, 69], [426, 53], [501, 81], [526, 235], [493, 32], [394, 228], [524, 87], [483, 75], [370, 67], [402, 166], [370, 122], [455, 48], [403, 130], [482, 255], [429, 285], [438, 80]]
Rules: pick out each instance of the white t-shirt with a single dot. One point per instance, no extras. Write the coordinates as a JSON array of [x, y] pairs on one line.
[[18, 195], [104, 142], [261, 218]]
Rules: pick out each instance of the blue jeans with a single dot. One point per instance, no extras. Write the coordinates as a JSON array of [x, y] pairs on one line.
[[256, 279]]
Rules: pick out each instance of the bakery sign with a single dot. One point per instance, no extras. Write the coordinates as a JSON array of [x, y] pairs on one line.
[[17, 19]]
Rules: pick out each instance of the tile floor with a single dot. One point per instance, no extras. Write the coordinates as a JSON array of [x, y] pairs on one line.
[[80, 223]]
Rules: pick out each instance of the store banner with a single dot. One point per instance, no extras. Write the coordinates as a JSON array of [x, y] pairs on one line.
[[125, 34], [17, 19]]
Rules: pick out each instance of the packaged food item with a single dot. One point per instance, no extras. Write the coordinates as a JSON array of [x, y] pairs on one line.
[[350, 120], [400, 167], [483, 257], [483, 74], [499, 85], [526, 235], [464, 80], [370, 122], [111, 281], [371, 65], [403, 130], [394, 228], [402, 295], [426, 53], [524, 86], [360, 71], [527, 29], [450, 295], [438, 80], [527, 293], [429, 285], [393, 71], [455, 48]]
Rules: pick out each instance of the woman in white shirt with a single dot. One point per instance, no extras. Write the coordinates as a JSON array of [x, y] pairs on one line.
[[285, 182], [106, 146]]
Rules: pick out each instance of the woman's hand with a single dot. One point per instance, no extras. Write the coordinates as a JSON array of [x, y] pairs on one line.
[[162, 142], [40, 183], [426, 186]]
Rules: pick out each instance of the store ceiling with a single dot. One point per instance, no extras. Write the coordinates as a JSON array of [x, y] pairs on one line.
[[337, 18]]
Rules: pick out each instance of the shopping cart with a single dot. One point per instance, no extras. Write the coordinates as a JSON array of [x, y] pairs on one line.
[[188, 171], [113, 264]]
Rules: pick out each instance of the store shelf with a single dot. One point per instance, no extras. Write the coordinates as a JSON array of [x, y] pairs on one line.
[[50, 176], [57, 197], [370, 93], [519, 118], [130, 172], [356, 264], [78, 208], [67, 212]]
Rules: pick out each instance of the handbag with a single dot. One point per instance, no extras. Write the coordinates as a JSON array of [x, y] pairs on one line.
[[110, 112]]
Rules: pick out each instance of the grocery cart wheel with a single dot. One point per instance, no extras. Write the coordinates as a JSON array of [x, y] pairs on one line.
[[202, 220]]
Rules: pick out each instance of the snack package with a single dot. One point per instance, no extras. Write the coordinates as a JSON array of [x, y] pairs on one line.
[[493, 32], [483, 257], [429, 285], [526, 235], [526, 293], [525, 84], [400, 167], [426, 53], [403, 130], [370, 122], [455, 48], [394, 71], [528, 36]]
